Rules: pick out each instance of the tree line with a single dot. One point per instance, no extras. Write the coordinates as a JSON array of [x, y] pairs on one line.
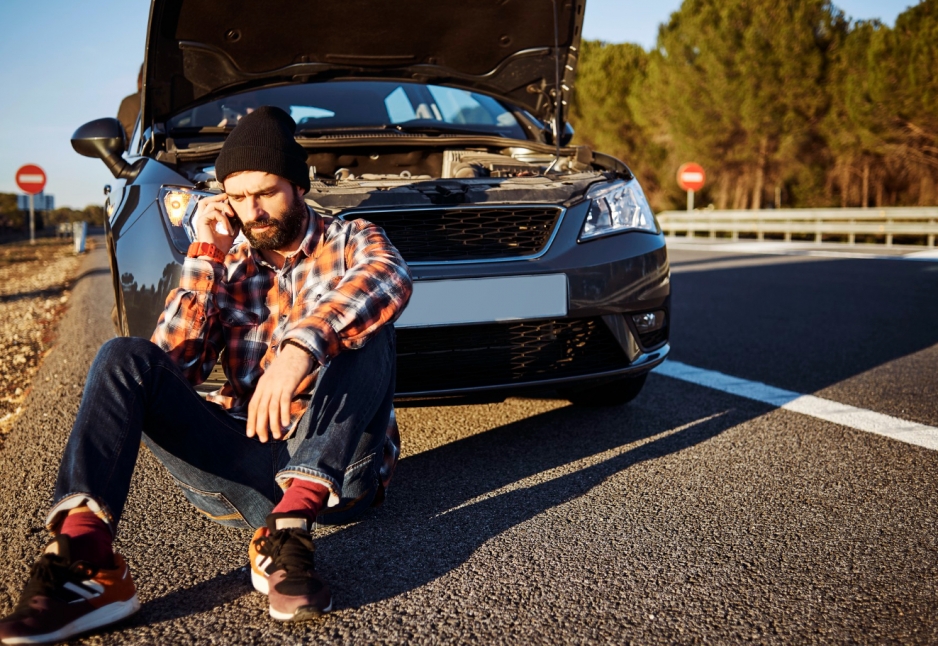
[[784, 103], [13, 219]]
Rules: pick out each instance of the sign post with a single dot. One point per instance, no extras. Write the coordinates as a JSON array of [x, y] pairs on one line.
[[691, 178], [31, 179]]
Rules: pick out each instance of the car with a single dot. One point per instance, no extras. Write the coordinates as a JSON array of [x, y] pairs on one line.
[[537, 265]]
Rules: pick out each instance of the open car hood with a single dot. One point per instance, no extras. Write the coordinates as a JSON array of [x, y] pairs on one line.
[[198, 50]]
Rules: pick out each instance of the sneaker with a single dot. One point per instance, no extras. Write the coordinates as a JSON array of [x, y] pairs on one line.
[[64, 598], [282, 568]]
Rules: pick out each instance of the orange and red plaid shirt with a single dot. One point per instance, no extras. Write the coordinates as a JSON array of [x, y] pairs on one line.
[[344, 282]]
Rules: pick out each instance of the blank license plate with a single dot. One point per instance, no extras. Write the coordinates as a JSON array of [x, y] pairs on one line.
[[485, 300]]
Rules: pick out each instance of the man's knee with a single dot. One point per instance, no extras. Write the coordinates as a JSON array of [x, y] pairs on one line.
[[123, 349], [128, 346]]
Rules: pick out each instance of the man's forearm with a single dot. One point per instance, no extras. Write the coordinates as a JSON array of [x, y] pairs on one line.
[[373, 292], [188, 329]]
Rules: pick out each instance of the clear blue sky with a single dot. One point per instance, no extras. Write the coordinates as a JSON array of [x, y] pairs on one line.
[[63, 63]]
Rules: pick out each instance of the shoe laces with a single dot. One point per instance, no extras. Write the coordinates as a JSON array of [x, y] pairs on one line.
[[49, 574], [290, 549]]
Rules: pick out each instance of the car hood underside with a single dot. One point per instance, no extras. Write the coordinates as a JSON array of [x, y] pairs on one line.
[[513, 49]]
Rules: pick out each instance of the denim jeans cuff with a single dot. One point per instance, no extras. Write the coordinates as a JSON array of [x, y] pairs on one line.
[[73, 501], [284, 477]]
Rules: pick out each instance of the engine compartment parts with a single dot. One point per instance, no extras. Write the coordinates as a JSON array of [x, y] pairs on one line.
[[464, 164], [404, 164]]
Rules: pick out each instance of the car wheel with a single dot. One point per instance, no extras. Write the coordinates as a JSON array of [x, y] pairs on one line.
[[610, 393]]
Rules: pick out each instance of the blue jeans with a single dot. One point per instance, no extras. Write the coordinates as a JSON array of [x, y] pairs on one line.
[[135, 393]]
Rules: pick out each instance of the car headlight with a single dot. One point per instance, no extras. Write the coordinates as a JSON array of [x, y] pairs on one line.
[[620, 206], [177, 204]]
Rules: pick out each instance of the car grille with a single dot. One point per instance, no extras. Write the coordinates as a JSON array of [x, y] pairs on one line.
[[467, 233], [468, 356]]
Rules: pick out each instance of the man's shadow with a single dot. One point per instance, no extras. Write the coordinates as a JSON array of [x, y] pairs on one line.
[[445, 503]]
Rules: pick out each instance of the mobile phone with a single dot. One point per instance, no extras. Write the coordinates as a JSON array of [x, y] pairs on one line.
[[234, 221], [234, 224]]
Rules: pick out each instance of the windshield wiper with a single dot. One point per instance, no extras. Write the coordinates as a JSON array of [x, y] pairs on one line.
[[342, 130], [403, 128], [200, 130], [444, 128]]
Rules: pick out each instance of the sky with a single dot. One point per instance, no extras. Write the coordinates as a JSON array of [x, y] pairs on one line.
[[63, 63]]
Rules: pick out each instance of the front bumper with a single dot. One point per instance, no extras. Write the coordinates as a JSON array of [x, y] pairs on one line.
[[608, 279]]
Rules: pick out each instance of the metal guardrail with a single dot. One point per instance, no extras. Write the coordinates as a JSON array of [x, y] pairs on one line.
[[900, 221]]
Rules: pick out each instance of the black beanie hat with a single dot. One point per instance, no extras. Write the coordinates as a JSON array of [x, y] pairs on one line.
[[263, 140]]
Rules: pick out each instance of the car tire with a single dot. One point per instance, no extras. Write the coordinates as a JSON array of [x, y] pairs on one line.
[[610, 393]]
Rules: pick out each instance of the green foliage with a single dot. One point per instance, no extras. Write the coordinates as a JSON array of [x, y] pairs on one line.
[[10, 215], [771, 97], [12, 218], [601, 112], [92, 214]]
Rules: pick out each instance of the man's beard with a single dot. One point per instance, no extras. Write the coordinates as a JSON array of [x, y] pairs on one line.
[[280, 232]]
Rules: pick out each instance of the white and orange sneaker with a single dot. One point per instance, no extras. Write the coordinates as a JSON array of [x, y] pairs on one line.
[[283, 568], [64, 598]]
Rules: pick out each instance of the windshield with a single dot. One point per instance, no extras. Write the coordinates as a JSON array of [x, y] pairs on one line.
[[320, 107]]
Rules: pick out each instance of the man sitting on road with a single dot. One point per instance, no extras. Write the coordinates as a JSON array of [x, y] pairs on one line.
[[303, 314]]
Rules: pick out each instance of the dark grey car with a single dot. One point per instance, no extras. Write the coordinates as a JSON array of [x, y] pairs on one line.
[[536, 264]]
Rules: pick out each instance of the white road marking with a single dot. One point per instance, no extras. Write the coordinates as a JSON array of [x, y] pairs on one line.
[[830, 411], [926, 254], [799, 249]]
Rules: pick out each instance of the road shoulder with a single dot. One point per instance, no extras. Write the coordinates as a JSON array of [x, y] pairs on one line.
[[31, 450]]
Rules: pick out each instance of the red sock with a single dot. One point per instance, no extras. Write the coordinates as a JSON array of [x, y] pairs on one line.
[[89, 539], [303, 497]]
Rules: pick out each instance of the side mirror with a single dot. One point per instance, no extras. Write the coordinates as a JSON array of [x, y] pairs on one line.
[[104, 139], [567, 136]]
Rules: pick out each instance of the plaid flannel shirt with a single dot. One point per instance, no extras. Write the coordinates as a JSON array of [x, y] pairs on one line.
[[344, 282]]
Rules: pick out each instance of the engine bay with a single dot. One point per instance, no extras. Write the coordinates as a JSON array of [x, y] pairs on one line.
[[391, 176]]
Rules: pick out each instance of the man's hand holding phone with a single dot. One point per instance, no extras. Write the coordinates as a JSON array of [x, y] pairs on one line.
[[215, 222]]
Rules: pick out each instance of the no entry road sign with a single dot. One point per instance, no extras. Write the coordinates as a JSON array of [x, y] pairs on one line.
[[31, 179], [691, 177]]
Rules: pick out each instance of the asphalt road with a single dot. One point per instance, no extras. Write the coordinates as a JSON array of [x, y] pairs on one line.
[[688, 516]]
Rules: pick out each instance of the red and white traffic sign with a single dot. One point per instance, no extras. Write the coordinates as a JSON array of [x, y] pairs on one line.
[[31, 179], [691, 177]]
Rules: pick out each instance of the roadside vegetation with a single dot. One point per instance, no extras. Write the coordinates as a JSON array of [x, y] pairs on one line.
[[34, 291], [786, 103], [14, 222]]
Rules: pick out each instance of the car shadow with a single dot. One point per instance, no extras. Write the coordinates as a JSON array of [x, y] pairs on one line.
[[449, 501], [445, 503]]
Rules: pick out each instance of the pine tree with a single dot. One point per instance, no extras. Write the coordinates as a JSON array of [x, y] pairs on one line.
[[852, 127], [772, 94], [606, 77], [904, 89]]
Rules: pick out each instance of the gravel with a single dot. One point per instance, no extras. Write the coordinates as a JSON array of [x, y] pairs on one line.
[[34, 291]]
